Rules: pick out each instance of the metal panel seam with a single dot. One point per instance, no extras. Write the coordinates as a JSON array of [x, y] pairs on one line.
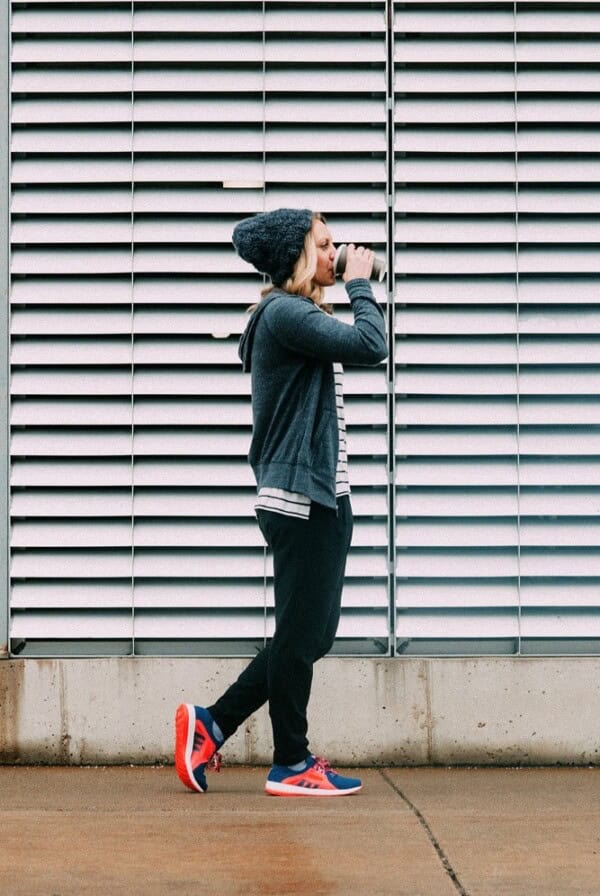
[[391, 304], [132, 325], [517, 316], [5, 324]]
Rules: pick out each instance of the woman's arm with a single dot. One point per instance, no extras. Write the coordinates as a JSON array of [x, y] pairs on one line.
[[303, 328]]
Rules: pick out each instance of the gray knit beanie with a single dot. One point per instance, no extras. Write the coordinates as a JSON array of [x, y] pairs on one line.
[[273, 241]]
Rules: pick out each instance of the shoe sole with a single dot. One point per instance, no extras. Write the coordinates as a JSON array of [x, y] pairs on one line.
[[278, 789], [185, 725]]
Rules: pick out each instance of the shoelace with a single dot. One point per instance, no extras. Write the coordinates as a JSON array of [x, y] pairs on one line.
[[322, 765], [214, 764]]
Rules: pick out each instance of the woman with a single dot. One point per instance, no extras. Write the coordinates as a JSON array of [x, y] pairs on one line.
[[294, 349]]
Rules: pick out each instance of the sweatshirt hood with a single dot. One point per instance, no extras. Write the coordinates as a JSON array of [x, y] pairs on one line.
[[247, 338]]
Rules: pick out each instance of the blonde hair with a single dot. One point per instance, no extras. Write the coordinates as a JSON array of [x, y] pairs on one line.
[[301, 282]]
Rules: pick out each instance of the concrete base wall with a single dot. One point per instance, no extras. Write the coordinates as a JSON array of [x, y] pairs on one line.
[[404, 711]]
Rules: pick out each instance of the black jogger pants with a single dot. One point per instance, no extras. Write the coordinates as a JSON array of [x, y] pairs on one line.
[[309, 560]]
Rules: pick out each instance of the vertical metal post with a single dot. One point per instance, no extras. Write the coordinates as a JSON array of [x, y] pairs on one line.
[[517, 315], [264, 276], [132, 328], [391, 318], [4, 325]]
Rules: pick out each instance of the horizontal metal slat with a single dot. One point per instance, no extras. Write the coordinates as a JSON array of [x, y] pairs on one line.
[[84, 594], [501, 471], [453, 350], [228, 442], [34, 51], [71, 19], [482, 381], [454, 381], [117, 563], [504, 50], [216, 170], [549, 229], [571, 259], [174, 139], [455, 471], [493, 532], [73, 624], [109, 472], [55, 321], [120, 412], [308, 79], [286, 19], [498, 441], [211, 200], [468, 289], [86, 109], [106, 412], [526, 319], [213, 503], [559, 19], [107, 352], [164, 533], [114, 471], [494, 108], [53, 381], [94, 564], [80, 79], [451, 18], [438, 169], [206, 289], [446, 81], [198, 50], [580, 623], [448, 625], [194, 290], [559, 593], [481, 532], [67, 502], [40, 442], [85, 231], [112, 442], [43, 441], [462, 563], [450, 411], [448, 17], [446, 199], [458, 594], [548, 350]]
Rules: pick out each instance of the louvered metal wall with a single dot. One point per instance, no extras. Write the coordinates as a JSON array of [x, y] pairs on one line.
[[497, 326], [458, 138], [138, 130]]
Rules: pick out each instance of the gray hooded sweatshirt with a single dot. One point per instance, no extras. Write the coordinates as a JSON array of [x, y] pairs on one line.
[[289, 346]]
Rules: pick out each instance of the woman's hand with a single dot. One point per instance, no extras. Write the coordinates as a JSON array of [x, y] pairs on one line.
[[359, 263]]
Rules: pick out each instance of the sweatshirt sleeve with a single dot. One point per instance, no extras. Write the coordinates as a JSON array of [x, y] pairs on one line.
[[305, 329]]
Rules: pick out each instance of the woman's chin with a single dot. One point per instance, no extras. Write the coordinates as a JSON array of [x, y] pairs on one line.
[[328, 280]]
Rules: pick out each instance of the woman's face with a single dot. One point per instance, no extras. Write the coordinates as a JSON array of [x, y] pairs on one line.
[[324, 275]]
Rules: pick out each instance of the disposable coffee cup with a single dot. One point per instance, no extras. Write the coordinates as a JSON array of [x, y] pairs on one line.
[[339, 264]]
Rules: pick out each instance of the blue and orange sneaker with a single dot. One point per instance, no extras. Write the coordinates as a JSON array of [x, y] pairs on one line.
[[317, 779], [196, 746]]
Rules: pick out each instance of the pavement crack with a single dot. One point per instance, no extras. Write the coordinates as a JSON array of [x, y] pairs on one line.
[[431, 836]]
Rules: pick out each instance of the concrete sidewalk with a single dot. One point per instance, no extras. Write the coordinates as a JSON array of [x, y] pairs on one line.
[[70, 831]]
